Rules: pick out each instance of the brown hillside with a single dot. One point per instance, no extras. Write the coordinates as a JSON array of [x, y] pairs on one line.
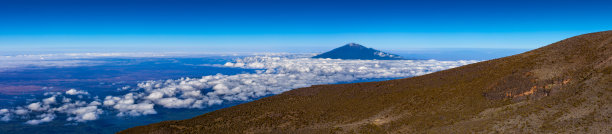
[[562, 87]]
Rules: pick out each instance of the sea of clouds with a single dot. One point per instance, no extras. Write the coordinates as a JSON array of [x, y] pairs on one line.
[[21, 61], [275, 74]]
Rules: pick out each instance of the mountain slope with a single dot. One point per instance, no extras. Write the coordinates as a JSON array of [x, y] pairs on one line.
[[562, 87], [356, 51]]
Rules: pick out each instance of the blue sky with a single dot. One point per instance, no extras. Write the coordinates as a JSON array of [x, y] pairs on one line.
[[295, 24]]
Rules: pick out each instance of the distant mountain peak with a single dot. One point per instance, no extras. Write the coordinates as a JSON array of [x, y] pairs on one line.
[[357, 51]]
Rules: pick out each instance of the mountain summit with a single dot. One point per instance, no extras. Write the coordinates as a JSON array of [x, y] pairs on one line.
[[356, 51]]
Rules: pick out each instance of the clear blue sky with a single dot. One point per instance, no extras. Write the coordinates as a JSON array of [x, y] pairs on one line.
[[291, 24]]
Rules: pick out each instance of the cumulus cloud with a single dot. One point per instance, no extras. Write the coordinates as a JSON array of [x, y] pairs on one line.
[[5, 115], [274, 75], [21, 111], [127, 105], [51, 93], [175, 102], [83, 114], [76, 92], [66, 100], [37, 106], [95, 103], [50, 100], [43, 118]]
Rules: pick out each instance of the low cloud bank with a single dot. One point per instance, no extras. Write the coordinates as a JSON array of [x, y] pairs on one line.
[[16, 62], [275, 75]]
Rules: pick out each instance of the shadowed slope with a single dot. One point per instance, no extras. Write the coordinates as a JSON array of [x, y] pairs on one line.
[[563, 87]]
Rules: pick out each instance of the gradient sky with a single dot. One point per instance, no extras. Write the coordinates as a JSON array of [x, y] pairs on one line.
[[306, 25]]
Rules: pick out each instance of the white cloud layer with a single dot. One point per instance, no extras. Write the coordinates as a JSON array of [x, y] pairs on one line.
[[275, 75], [11, 62]]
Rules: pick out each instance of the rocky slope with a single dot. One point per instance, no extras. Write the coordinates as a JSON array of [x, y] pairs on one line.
[[563, 87]]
